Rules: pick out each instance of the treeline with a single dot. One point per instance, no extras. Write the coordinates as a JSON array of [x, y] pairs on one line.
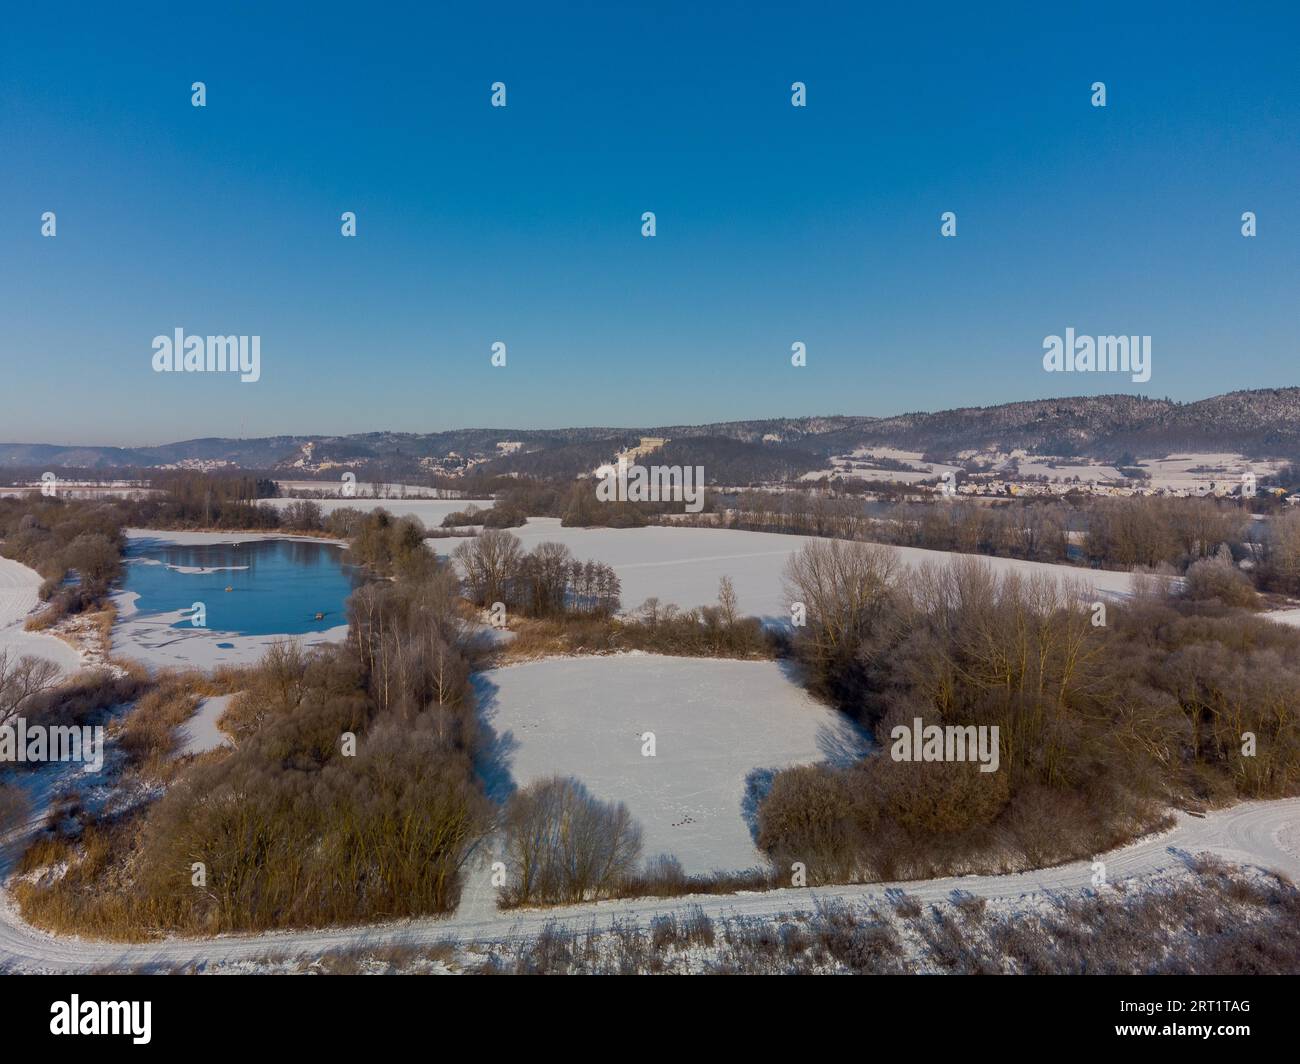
[[585, 510], [178, 500], [1109, 533], [75, 546], [498, 516], [1101, 726], [1118, 533], [204, 500]]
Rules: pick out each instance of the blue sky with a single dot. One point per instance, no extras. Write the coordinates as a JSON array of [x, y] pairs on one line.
[[522, 224]]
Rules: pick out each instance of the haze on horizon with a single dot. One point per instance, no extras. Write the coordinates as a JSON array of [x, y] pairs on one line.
[[506, 429], [522, 224]]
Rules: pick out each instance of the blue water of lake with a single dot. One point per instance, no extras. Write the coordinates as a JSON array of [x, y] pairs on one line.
[[257, 587]]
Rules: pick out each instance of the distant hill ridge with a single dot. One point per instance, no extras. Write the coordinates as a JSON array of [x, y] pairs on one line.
[[1260, 423]]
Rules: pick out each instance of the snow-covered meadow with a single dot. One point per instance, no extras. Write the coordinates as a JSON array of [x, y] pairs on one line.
[[684, 565], [718, 727]]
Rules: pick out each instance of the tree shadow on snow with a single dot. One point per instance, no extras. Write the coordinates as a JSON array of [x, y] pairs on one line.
[[842, 743], [495, 753], [757, 785]]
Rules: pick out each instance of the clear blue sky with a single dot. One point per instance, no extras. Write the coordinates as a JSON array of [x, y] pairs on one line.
[[522, 224]]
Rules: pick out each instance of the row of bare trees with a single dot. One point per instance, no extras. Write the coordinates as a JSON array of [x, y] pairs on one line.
[[544, 582]]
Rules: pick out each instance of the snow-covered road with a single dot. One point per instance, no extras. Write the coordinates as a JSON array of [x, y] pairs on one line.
[[1266, 834]]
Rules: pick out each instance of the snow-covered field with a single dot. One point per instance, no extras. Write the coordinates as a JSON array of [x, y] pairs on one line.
[[1187, 472], [848, 466], [1065, 469], [18, 598], [714, 723], [1174, 472], [684, 565]]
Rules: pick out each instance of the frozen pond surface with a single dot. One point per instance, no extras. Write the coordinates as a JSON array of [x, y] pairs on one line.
[[248, 587], [160, 634]]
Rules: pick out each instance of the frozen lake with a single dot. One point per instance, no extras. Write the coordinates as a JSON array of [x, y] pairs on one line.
[[249, 587], [278, 598]]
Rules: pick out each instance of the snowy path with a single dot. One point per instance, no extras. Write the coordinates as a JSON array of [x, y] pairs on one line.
[[200, 733], [1263, 833]]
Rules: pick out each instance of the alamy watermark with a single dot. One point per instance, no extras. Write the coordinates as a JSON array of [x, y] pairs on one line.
[[77, 1017], [953, 742], [637, 483], [38, 744], [1098, 354], [179, 353]]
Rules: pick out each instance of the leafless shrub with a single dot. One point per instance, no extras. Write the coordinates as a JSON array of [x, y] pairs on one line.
[[565, 845], [1215, 578], [971, 907], [905, 905]]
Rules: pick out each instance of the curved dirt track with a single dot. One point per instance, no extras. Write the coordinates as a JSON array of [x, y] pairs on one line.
[[1265, 834]]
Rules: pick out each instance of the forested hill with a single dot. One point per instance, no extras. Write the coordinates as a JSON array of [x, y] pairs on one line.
[[1263, 423]]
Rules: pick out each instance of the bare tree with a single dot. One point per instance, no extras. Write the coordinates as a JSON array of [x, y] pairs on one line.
[[23, 680], [1282, 552], [491, 562], [843, 586], [565, 845], [727, 601], [545, 575]]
